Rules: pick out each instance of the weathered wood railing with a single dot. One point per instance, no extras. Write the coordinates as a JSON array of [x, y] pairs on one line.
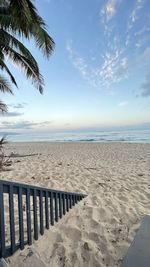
[[31, 209]]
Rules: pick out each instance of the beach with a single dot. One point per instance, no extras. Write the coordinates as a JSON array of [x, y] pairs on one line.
[[100, 228]]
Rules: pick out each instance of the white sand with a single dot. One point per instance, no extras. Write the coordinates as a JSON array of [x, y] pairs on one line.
[[98, 230]]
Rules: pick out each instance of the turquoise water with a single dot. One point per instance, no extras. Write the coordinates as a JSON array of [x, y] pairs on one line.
[[133, 136]]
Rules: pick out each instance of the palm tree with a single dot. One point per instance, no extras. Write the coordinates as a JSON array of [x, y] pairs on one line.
[[19, 18]]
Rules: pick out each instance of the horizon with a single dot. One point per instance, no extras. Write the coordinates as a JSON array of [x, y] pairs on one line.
[[98, 75]]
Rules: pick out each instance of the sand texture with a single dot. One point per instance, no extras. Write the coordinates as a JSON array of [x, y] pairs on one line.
[[98, 230]]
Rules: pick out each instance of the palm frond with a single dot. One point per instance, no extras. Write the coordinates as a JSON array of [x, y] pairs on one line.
[[21, 18], [3, 66], [43, 40], [30, 69], [3, 107], [5, 85], [7, 39]]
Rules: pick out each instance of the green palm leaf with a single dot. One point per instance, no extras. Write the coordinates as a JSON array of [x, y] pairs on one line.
[[8, 39], [3, 66], [5, 85], [3, 107], [27, 65], [21, 18]]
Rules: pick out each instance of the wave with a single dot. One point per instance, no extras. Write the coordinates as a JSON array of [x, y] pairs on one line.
[[109, 136]]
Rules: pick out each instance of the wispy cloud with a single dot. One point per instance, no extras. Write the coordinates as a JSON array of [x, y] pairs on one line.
[[77, 60], [18, 105], [11, 114], [109, 10], [23, 125], [113, 68], [135, 13]]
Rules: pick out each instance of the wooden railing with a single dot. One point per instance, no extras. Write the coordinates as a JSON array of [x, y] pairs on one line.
[[26, 210]]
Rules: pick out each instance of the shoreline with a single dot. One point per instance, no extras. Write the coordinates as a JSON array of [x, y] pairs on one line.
[[80, 142]]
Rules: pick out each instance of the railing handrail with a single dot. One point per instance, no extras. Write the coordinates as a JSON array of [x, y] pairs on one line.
[[32, 187]]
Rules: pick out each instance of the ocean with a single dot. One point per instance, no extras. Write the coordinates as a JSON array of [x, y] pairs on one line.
[[132, 136]]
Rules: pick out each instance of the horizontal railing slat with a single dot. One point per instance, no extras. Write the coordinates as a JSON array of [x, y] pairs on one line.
[[24, 186]]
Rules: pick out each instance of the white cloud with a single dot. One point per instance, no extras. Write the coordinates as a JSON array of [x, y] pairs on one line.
[[109, 10], [134, 14], [114, 67], [77, 61], [11, 114], [6, 125], [18, 105]]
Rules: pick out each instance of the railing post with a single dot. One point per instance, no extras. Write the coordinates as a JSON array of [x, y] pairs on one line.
[[64, 206], [56, 206], [67, 203], [76, 199], [2, 223], [73, 198], [28, 216], [46, 211], [70, 198], [21, 223], [11, 216], [60, 205], [41, 213], [35, 215], [51, 209]]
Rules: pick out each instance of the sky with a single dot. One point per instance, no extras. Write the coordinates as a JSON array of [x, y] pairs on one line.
[[98, 75]]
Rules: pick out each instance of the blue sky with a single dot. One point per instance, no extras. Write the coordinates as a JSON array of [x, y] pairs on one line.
[[98, 75]]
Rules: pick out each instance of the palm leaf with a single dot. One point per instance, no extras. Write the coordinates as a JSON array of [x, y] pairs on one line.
[[43, 40], [6, 39], [3, 66], [21, 18], [4, 85], [3, 107], [30, 69]]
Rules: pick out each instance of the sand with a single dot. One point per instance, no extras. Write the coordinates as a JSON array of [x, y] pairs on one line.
[[98, 230]]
